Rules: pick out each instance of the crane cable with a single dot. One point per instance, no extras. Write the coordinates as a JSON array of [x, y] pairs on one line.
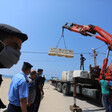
[[100, 46], [62, 36]]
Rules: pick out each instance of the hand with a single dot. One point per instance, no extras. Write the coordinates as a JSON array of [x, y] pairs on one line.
[[42, 93], [29, 104]]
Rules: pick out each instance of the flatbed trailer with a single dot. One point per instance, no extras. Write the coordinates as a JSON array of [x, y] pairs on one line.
[[82, 86], [87, 87]]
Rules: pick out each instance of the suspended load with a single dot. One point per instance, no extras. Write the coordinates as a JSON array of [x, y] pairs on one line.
[[61, 52]]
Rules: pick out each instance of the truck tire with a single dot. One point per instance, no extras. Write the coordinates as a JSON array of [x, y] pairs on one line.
[[59, 87], [65, 89]]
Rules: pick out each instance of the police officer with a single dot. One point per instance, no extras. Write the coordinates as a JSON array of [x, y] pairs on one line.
[[39, 90], [10, 44], [18, 91], [11, 40]]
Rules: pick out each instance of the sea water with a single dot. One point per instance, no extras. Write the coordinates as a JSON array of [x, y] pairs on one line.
[[7, 76]]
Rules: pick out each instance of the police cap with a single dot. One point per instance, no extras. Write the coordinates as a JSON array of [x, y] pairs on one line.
[[13, 31], [40, 70], [27, 65]]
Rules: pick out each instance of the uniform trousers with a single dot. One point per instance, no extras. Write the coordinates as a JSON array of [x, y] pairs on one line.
[[37, 101], [13, 108]]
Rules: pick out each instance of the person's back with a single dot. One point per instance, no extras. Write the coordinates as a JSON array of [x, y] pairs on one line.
[[105, 94], [104, 86]]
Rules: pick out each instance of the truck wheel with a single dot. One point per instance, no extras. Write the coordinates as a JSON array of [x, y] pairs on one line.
[[59, 87], [65, 89]]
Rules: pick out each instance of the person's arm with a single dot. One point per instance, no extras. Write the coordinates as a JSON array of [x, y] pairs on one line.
[[110, 84], [39, 81], [84, 58], [23, 95], [42, 92], [29, 99], [23, 104], [41, 89]]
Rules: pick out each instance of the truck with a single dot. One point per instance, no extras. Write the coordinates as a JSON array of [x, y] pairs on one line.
[[90, 86], [83, 82]]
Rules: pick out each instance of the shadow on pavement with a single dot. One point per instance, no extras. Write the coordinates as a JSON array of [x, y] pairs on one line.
[[90, 100], [87, 99], [93, 110]]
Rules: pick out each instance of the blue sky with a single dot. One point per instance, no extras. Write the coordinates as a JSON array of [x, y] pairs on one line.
[[42, 21]]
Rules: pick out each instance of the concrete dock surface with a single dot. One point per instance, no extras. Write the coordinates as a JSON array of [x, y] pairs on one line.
[[53, 101]]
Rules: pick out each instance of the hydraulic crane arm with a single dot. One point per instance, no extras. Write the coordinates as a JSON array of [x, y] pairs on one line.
[[90, 30]]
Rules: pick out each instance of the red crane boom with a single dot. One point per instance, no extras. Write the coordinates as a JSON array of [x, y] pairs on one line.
[[91, 30]]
